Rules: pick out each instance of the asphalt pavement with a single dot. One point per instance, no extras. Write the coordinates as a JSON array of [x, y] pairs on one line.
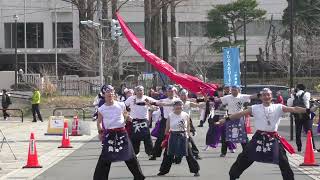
[[80, 164]]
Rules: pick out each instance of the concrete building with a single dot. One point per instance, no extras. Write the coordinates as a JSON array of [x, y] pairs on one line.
[[36, 45], [36, 33]]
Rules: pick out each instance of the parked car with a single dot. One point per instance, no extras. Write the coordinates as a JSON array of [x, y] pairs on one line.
[[253, 89]]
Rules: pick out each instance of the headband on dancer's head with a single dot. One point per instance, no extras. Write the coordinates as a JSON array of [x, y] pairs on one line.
[[106, 88], [183, 92], [266, 90], [171, 88], [235, 87], [139, 88], [130, 90], [177, 102]]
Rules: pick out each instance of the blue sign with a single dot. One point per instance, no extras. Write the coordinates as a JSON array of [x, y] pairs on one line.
[[231, 66]]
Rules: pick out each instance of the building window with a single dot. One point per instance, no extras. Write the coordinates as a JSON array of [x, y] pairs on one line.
[[34, 36], [138, 28], [197, 29], [9, 35], [64, 35]]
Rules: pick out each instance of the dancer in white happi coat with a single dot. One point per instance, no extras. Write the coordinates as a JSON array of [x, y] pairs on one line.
[[266, 145], [116, 143], [139, 113], [178, 125]]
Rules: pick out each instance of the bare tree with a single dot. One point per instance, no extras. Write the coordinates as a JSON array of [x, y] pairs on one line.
[[197, 62], [89, 60], [306, 51]]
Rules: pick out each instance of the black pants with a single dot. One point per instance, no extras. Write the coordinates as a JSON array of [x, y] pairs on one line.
[[103, 168], [224, 146], [194, 150], [243, 162], [302, 121], [5, 114], [36, 110], [168, 160], [147, 144], [157, 149]]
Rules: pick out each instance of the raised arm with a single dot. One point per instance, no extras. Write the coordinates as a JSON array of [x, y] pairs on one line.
[[287, 109], [236, 116]]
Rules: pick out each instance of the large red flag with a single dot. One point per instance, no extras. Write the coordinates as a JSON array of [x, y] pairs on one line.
[[189, 82]]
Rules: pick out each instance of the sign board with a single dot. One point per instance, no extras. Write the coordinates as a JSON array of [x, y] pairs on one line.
[[55, 125], [231, 66]]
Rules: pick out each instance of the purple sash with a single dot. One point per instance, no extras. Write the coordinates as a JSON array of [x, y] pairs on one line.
[[213, 135], [156, 130]]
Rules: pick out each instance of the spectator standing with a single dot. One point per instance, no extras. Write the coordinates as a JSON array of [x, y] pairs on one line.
[[301, 98], [36, 99], [279, 98], [5, 104]]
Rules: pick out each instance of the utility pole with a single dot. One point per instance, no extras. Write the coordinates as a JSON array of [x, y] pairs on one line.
[[100, 29], [245, 51], [15, 17], [291, 62], [115, 54], [56, 38], [25, 41]]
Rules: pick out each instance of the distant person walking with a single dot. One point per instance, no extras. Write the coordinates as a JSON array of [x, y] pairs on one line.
[[36, 99], [5, 104]]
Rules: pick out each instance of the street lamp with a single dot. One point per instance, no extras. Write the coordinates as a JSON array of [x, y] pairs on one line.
[[98, 26], [15, 17]]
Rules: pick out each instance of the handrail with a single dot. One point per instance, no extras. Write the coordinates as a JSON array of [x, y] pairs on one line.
[[15, 110], [83, 111]]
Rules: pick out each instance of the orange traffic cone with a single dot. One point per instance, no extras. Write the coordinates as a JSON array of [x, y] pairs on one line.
[[65, 143], [248, 125], [32, 154], [75, 127], [309, 159]]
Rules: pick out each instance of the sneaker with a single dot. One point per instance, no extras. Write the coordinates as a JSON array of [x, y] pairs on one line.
[[161, 174], [152, 158], [206, 148], [41, 120], [196, 174], [137, 155], [197, 157], [177, 160], [34, 121], [222, 155], [6, 119], [200, 125], [233, 151], [315, 151]]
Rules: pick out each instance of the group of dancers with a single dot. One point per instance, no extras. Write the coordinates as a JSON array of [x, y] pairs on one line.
[[173, 131]]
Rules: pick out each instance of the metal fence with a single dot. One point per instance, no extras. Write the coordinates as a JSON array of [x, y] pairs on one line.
[[70, 85]]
